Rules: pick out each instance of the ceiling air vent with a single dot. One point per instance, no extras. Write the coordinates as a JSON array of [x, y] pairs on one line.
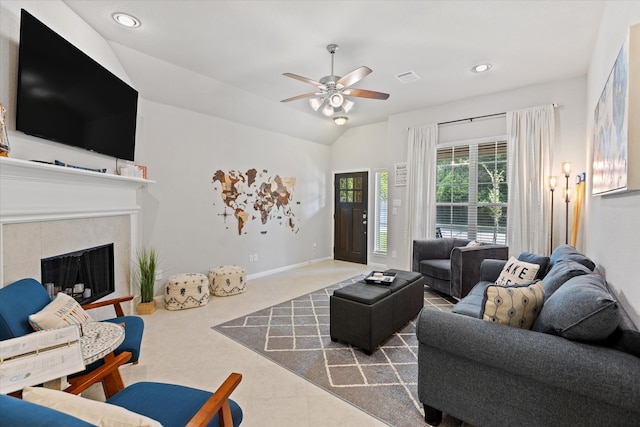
[[407, 77]]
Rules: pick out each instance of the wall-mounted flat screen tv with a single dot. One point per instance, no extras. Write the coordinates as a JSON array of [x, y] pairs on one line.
[[65, 96]]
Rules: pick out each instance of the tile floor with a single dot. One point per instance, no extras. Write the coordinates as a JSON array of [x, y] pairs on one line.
[[181, 347]]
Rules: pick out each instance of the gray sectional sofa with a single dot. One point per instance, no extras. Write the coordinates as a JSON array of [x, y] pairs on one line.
[[579, 365]]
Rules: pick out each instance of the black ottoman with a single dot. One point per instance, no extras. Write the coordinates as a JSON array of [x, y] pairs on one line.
[[365, 315]]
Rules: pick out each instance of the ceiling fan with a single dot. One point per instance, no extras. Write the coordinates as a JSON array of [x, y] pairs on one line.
[[330, 98]]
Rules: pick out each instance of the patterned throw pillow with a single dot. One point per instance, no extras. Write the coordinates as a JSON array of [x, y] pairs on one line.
[[516, 306], [62, 311], [517, 272]]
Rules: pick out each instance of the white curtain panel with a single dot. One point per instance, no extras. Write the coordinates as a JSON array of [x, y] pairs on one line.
[[422, 183], [530, 136]]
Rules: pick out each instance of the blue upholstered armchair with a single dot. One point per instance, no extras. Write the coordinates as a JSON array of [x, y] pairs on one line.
[[27, 296], [168, 404]]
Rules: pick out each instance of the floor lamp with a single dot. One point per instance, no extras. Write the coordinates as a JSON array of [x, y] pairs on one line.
[[566, 167], [552, 187]]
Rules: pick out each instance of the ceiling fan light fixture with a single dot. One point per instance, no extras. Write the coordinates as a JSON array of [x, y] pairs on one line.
[[336, 100], [332, 90], [316, 103], [340, 120], [347, 105], [328, 110]]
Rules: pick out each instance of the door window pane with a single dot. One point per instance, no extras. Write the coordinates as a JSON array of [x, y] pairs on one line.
[[351, 190]]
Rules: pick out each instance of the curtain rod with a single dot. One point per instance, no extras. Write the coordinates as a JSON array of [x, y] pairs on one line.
[[471, 119]]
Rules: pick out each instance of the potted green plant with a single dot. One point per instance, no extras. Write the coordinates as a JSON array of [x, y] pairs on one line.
[[145, 277]]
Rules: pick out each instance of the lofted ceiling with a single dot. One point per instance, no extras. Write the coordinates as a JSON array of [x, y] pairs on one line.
[[226, 58]]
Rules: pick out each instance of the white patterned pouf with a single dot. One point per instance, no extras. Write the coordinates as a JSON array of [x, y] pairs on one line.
[[227, 280], [186, 290]]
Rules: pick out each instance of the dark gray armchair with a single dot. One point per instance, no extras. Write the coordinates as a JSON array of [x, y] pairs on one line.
[[450, 266]]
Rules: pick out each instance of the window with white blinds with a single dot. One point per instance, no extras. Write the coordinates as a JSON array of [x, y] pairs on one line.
[[471, 192], [382, 199]]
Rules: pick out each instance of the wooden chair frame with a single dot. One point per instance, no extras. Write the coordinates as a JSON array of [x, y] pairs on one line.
[[115, 302], [112, 382]]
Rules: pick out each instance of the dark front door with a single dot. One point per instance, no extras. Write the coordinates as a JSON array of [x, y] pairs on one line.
[[350, 217]]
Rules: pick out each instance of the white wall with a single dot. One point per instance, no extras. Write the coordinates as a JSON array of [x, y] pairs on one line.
[[181, 213], [613, 229], [362, 148], [570, 143]]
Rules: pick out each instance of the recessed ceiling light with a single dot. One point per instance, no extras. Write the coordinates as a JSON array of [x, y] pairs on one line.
[[481, 68], [126, 20]]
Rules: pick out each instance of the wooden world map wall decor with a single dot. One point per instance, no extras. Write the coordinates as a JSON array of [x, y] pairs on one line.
[[248, 196]]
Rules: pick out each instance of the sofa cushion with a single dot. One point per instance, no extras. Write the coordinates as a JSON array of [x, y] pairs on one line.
[[62, 311], [541, 260], [516, 305], [438, 268], [472, 304], [98, 413], [560, 273], [626, 336], [581, 310], [490, 269], [567, 252], [170, 404], [517, 272]]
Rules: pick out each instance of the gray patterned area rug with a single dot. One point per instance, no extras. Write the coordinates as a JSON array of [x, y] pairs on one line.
[[295, 335]]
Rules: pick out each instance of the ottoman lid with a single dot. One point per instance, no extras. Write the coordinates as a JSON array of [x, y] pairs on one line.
[[362, 292], [403, 278], [406, 275], [397, 283]]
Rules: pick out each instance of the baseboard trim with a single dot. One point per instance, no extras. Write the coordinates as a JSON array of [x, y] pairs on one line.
[[285, 268]]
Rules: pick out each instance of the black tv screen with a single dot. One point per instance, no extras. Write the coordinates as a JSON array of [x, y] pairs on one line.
[[65, 96]]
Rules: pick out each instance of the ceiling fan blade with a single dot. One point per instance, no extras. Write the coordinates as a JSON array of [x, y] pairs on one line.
[[295, 98], [354, 76], [305, 79], [363, 93]]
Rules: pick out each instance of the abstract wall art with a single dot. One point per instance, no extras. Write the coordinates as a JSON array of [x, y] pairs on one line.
[[616, 142]]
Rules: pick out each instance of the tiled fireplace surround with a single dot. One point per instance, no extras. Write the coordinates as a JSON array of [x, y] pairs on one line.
[[49, 210]]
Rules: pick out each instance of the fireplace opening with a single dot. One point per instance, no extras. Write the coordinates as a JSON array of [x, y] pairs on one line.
[[86, 275]]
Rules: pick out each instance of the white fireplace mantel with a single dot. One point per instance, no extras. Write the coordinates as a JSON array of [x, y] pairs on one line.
[[32, 191]]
